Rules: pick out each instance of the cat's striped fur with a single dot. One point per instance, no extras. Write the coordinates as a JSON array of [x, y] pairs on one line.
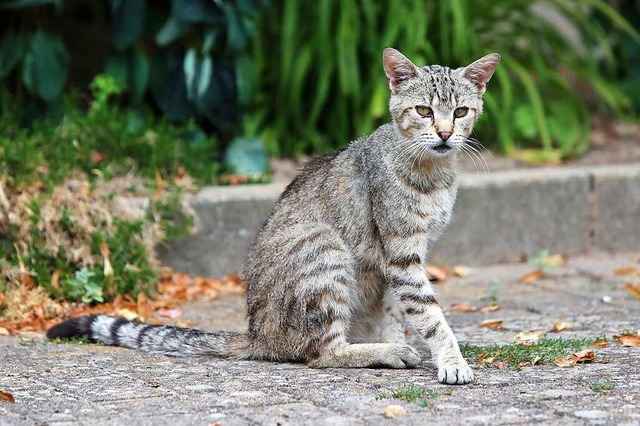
[[340, 264]]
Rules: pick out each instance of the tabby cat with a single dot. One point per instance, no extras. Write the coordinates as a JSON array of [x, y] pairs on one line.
[[340, 264]]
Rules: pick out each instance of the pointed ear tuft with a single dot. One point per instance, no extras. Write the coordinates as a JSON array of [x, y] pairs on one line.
[[397, 68], [481, 71]]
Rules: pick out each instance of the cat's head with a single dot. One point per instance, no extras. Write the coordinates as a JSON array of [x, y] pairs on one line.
[[434, 107]]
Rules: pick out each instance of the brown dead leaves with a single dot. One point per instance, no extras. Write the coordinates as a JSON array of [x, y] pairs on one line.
[[463, 307], [582, 357], [629, 340], [627, 271], [6, 397], [33, 310], [491, 324], [440, 273], [633, 289], [531, 276]]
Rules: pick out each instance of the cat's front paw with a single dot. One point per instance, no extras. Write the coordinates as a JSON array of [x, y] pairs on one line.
[[455, 373]]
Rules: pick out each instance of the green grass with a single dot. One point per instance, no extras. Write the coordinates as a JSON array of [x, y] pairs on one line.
[[605, 386], [415, 394], [84, 340], [546, 350]]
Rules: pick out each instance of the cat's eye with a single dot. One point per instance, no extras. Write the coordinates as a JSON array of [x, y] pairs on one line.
[[460, 112], [424, 111]]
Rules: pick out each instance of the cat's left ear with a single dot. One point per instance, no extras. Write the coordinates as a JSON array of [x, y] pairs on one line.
[[481, 71]]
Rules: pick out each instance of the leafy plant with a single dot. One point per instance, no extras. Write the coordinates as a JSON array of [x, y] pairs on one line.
[[83, 287], [187, 59], [318, 92]]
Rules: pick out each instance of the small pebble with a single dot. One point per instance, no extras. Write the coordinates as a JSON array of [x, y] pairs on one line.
[[392, 411], [606, 299]]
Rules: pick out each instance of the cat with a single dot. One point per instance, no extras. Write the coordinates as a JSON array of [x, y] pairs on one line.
[[339, 265]]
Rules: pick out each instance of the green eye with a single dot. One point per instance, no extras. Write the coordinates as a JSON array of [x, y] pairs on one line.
[[460, 112], [424, 111]]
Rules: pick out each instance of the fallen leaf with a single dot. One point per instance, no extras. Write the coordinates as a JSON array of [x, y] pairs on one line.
[[600, 344], [6, 396], [630, 340], [559, 326], [499, 365], [4, 332], [55, 279], [583, 356], [489, 308], [392, 411], [555, 260], [462, 307], [438, 273], [461, 271], [531, 276], [627, 270], [143, 306], [633, 288], [529, 336], [493, 324], [564, 362], [127, 314], [524, 364], [169, 313], [536, 360]]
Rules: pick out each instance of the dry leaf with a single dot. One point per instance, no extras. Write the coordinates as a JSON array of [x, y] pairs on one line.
[[499, 365], [633, 288], [531, 276], [555, 260], [559, 326], [143, 306], [630, 340], [461, 271], [583, 356], [536, 360], [529, 336], [489, 308], [6, 396], [627, 270], [127, 314], [493, 324], [600, 344], [392, 411], [438, 273], [462, 307], [4, 332], [564, 362], [55, 279]]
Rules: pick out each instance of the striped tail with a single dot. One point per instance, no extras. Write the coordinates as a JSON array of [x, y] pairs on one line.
[[162, 339]]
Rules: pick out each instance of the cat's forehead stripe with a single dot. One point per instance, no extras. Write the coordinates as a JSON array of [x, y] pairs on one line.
[[441, 84]]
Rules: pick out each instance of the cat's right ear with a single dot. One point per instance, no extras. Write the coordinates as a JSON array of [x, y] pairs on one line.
[[397, 68]]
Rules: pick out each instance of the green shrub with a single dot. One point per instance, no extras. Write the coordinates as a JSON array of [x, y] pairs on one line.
[[321, 82]]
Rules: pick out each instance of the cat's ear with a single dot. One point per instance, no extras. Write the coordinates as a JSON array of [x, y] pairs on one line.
[[397, 68], [481, 71]]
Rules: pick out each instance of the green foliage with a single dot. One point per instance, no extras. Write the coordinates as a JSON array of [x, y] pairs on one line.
[[187, 58], [105, 141], [83, 287], [604, 386], [415, 394], [547, 350], [322, 85]]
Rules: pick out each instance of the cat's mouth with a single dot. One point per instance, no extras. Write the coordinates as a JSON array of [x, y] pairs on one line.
[[441, 148]]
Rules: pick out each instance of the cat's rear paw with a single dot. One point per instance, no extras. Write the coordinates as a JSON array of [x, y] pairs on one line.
[[458, 373], [400, 356]]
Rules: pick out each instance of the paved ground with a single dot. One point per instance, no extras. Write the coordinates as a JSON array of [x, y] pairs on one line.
[[79, 384]]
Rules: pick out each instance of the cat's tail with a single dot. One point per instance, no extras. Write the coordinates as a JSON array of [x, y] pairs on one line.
[[163, 339]]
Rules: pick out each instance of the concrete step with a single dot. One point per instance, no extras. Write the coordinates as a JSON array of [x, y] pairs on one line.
[[498, 218]]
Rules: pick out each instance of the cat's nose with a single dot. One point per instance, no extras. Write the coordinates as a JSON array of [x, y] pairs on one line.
[[444, 135]]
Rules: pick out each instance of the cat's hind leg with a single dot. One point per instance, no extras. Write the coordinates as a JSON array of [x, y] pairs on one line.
[[326, 298]]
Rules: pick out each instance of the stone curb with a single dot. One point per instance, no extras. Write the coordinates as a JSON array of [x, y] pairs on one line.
[[498, 218]]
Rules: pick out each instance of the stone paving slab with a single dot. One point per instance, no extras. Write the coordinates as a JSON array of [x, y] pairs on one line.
[[71, 384]]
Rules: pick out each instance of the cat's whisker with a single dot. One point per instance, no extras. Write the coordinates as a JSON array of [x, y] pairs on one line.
[[466, 151], [471, 150]]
